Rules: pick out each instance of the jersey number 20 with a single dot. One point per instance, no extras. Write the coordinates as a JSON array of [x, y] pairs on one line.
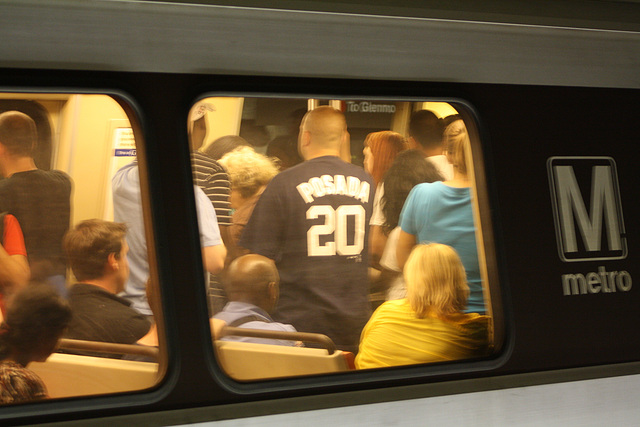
[[336, 221]]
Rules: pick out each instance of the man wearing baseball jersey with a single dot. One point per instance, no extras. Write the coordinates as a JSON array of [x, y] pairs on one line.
[[312, 220]]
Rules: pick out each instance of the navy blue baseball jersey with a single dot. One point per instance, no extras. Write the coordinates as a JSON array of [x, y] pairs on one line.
[[312, 220]]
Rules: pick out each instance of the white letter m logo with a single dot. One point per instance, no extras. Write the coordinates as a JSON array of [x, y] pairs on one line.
[[604, 217]]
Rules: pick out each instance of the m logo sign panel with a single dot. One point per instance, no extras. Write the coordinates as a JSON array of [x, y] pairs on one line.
[[587, 208]]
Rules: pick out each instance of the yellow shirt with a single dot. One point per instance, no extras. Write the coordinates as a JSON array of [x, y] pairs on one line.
[[394, 336]]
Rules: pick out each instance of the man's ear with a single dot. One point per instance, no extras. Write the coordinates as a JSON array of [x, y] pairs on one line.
[[272, 289], [274, 293], [412, 143], [306, 138], [112, 262]]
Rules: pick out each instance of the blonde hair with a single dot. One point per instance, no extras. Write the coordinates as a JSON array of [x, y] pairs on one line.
[[248, 171], [457, 143], [436, 281]]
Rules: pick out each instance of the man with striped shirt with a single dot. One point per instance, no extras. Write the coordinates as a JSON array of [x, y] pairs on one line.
[[211, 177]]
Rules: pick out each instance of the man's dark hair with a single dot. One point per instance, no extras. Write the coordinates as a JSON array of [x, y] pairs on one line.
[[18, 133], [35, 314], [407, 170], [89, 244], [426, 129], [224, 145]]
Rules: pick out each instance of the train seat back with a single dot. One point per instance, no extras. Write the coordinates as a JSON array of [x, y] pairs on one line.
[[68, 375], [249, 361]]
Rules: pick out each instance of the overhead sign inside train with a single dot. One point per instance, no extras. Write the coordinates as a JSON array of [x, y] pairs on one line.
[[368, 107], [124, 142]]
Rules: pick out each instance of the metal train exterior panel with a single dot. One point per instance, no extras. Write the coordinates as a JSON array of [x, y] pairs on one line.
[[554, 106]]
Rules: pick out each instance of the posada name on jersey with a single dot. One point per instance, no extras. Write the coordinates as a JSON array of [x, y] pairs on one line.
[[334, 185]]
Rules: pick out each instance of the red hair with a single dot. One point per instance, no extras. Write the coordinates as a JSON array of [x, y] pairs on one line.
[[385, 146]]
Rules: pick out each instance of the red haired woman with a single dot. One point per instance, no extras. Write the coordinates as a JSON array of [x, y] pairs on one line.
[[380, 148]]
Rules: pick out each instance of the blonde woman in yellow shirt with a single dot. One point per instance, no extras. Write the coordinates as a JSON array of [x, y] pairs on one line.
[[429, 325]]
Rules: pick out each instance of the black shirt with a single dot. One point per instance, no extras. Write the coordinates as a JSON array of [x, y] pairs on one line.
[[102, 316], [40, 200]]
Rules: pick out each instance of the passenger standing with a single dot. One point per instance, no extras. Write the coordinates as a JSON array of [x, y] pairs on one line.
[[225, 144], [441, 212], [249, 172], [40, 200], [97, 254], [127, 208], [214, 182], [425, 135], [14, 267], [311, 220], [285, 147], [207, 172], [408, 170], [36, 318], [380, 149]]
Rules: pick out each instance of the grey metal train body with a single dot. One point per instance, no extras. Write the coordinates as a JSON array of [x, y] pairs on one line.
[[553, 93]]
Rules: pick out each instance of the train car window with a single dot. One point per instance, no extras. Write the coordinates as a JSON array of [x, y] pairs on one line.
[[75, 270], [356, 234]]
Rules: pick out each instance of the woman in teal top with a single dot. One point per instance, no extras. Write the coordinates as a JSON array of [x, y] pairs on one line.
[[441, 212]]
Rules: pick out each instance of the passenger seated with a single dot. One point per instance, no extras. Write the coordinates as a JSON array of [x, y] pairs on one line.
[[36, 317], [252, 286], [97, 254], [429, 325]]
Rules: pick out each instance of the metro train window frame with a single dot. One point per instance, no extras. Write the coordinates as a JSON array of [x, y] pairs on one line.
[[482, 215], [142, 396]]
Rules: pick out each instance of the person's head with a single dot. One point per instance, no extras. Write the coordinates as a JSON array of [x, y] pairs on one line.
[[322, 132], [225, 144], [248, 173], [253, 133], [294, 119], [457, 145], [446, 121], [253, 279], [407, 170], [198, 124], [436, 281], [18, 134], [35, 319], [380, 148], [97, 249], [425, 131]]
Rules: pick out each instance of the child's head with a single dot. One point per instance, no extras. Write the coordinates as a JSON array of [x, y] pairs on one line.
[[436, 280], [35, 319]]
